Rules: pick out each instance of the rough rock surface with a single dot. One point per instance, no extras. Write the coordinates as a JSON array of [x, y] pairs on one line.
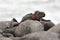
[[28, 26], [47, 24], [55, 29], [41, 36]]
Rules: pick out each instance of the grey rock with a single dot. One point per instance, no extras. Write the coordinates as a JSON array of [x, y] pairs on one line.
[[1, 35], [28, 26], [7, 24], [41, 36], [10, 30], [7, 35], [1, 31], [47, 24], [3, 38], [15, 38], [55, 29]]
